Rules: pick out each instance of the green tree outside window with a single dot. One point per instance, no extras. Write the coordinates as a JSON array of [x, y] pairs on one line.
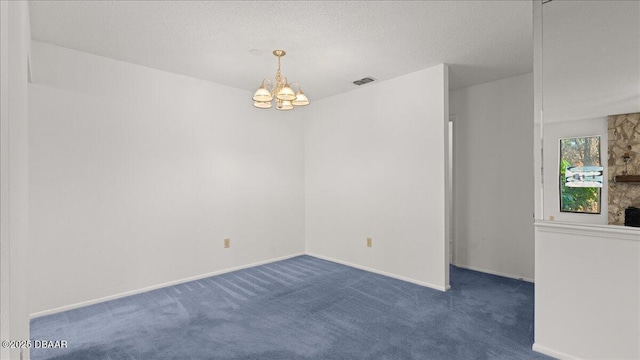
[[579, 153]]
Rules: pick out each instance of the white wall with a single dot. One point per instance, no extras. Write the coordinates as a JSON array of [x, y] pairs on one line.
[[590, 70], [493, 204], [15, 37], [375, 167], [553, 132], [137, 176], [587, 291], [587, 275], [590, 61]]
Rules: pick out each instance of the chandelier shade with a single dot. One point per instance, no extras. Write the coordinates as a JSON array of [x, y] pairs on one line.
[[284, 96], [284, 105], [262, 94], [262, 104], [301, 98]]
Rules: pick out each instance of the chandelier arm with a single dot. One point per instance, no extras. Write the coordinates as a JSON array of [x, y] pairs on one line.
[[268, 80]]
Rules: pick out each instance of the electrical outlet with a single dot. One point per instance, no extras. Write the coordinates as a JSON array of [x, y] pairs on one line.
[[227, 243], [551, 217], [369, 242]]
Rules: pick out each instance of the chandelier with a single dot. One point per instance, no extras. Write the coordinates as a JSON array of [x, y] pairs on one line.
[[285, 98]]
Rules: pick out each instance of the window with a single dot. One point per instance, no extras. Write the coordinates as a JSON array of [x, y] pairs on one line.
[[580, 175]]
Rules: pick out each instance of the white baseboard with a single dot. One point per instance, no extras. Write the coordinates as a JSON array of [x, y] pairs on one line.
[[202, 276], [155, 287], [399, 277], [494, 272], [555, 354]]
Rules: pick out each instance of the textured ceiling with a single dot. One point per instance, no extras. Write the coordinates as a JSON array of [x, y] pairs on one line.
[[329, 44]]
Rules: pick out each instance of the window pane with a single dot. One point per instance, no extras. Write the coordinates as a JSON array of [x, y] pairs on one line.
[[580, 175]]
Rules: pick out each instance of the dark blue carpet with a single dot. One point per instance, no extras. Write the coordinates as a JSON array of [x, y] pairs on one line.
[[302, 308]]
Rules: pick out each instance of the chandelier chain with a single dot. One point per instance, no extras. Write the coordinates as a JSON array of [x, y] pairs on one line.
[[278, 79]]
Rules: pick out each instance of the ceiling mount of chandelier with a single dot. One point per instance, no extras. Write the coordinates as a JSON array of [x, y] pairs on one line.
[[285, 98]]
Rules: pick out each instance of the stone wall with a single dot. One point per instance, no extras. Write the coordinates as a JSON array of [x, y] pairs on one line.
[[624, 138]]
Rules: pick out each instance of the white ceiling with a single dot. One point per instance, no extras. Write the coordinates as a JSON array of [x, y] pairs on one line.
[[329, 44]]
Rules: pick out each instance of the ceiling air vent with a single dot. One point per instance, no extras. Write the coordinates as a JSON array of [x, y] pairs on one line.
[[363, 81]]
